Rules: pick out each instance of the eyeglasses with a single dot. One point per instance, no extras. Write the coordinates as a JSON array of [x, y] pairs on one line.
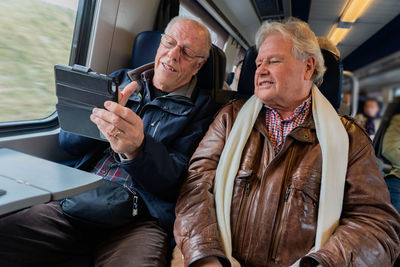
[[170, 43]]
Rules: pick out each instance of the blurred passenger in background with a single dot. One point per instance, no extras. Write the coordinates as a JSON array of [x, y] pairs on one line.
[[370, 117]]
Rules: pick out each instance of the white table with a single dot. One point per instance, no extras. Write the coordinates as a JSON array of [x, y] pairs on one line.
[[29, 180]]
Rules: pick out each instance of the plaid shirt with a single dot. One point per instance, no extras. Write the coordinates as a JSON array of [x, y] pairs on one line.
[[110, 170], [278, 129]]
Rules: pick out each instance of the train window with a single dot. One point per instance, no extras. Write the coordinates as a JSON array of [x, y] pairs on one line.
[[397, 92], [35, 35]]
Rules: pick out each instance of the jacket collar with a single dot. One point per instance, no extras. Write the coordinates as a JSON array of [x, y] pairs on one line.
[[306, 131], [186, 90], [146, 73]]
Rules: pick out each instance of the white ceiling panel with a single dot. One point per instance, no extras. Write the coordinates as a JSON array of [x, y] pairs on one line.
[[322, 16], [242, 15], [325, 13], [326, 9], [321, 27]]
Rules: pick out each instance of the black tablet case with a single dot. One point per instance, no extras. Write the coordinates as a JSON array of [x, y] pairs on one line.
[[79, 90]]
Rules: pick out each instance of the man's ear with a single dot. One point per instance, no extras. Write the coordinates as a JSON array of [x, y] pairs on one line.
[[310, 64], [201, 63]]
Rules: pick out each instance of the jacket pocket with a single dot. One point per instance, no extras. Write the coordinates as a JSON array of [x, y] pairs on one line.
[[239, 212], [296, 234]]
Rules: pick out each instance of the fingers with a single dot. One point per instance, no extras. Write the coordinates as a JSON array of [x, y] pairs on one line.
[[121, 112], [108, 121], [128, 90], [121, 126]]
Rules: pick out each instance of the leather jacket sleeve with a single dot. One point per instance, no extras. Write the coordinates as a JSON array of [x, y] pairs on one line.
[[196, 201], [366, 235]]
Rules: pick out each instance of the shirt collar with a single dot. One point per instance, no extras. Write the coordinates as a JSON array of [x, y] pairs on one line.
[[303, 107], [185, 90]]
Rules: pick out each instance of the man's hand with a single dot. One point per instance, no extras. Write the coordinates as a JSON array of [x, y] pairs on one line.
[[120, 125], [207, 262]]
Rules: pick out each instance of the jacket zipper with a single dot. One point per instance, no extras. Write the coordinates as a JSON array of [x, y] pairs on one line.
[[241, 208], [281, 224], [282, 207], [156, 125], [135, 206], [135, 199]]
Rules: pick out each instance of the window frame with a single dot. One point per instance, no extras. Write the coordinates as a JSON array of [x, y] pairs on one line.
[[79, 51], [82, 31]]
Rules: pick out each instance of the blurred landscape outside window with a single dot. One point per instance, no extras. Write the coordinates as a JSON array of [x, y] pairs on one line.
[[34, 36]]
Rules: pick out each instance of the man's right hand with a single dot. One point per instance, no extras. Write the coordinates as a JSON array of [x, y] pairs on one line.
[[120, 125]]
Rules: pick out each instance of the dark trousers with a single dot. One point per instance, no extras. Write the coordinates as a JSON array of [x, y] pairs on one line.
[[42, 236]]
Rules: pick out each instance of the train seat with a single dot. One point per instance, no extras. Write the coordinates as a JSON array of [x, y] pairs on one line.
[[144, 48], [211, 75], [246, 79], [331, 86]]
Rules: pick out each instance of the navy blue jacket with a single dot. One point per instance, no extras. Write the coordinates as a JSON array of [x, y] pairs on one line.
[[173, 125]]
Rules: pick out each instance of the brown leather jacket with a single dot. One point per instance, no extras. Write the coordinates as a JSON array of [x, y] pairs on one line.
[[275, 201]]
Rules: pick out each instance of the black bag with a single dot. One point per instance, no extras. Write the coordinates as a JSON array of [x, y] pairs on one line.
[[110, 205]]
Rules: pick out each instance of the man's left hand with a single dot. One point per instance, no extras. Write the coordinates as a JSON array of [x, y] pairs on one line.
[[120, 125]]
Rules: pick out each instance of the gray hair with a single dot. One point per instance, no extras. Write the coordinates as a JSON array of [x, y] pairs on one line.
[[305, 43], [325, 43], [200, 24]]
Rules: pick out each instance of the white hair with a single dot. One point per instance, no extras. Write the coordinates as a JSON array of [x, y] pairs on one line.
[[325, 43], [304, 42], [200, 24]]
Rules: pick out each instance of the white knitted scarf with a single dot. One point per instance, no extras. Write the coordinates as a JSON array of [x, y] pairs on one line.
[[334, 143]]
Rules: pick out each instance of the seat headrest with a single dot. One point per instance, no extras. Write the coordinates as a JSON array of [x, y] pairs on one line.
[[331, 87], [211, 75], [246, 78], [145, 48]]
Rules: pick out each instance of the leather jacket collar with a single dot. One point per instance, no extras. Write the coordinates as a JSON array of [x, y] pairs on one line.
[[303, 133]]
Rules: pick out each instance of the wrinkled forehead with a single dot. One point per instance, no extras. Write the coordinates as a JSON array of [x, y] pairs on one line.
[[188, 33], [275, 44]]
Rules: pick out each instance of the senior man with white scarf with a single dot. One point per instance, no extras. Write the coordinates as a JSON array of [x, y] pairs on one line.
[[282, 180]]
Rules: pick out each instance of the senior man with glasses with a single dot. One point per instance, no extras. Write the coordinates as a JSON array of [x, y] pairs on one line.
[[152, 132]]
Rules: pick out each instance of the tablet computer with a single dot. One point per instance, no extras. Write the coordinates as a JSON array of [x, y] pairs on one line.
[[79, 90]]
